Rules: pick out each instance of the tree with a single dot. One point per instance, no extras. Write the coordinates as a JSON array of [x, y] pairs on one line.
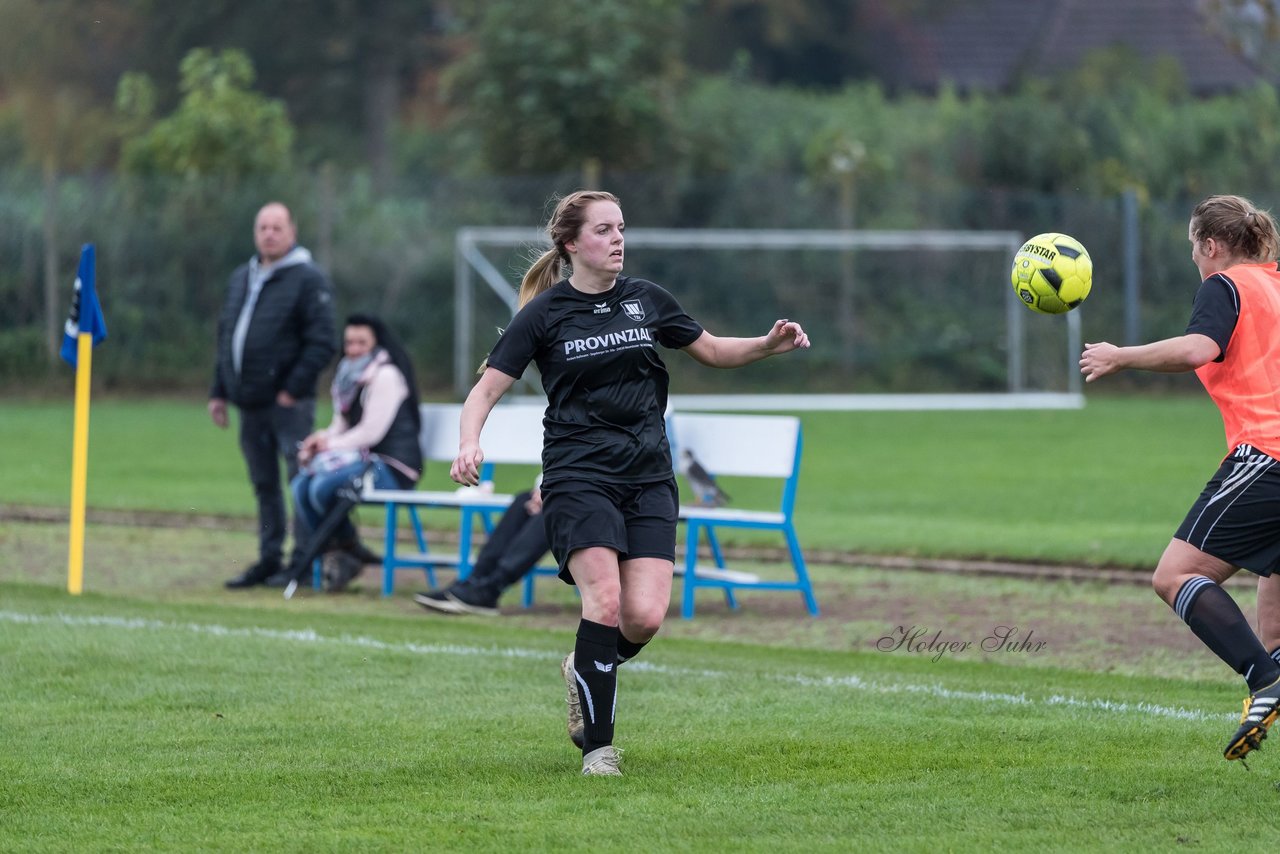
[[220, 127], [589, 85], [807, 43], [54, 55], [344, 67]]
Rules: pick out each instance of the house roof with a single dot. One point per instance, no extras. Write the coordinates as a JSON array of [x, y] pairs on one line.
[[990, 44]]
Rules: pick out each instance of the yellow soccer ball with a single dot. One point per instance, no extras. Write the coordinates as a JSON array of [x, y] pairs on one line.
[[1052, 273]]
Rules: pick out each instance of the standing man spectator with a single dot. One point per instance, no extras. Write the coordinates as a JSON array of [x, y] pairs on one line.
[[275, 334]]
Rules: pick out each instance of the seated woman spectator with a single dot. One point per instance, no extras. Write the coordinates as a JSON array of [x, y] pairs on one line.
[[375, 424]]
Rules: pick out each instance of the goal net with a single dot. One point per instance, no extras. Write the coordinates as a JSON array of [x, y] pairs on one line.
[[898, 319]]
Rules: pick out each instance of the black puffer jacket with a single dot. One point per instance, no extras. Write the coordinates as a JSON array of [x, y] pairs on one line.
[[289, 341]]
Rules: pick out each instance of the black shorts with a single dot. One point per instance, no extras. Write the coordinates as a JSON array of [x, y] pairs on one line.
[[1237, 516], [633, 519]]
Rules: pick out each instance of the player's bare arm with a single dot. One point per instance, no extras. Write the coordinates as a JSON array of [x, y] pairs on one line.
[[716, 352], [1170, 355], [487, 391]]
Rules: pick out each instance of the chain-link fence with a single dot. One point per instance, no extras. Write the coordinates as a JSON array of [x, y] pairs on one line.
[[881, 321]]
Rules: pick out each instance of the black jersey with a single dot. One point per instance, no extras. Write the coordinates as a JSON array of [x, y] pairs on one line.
[[1215, 311], [605, 382]]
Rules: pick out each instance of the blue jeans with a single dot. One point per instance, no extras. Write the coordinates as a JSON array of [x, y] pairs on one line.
[[314, 495]]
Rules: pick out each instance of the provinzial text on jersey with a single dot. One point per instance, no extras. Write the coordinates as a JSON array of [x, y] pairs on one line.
[[612, 339]]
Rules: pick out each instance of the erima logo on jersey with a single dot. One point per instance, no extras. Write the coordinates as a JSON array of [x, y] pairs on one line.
[[633, 309], [602, 308], [613, 339]]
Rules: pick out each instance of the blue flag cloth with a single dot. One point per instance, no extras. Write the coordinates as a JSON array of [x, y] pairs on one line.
[[86, 313]]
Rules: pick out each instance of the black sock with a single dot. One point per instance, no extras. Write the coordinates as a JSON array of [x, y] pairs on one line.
[[1216, 619], [595, 661], [1275, 656], [628, 650]]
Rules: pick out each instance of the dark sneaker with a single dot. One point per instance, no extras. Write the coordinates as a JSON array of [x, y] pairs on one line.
[[281, 578], [602, 762], [575, 725], [437, 600], [256, 574], [480, 609], [1260, 711]]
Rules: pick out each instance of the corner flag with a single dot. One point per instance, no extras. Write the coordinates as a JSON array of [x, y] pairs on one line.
[[85, 328], [86, 314]]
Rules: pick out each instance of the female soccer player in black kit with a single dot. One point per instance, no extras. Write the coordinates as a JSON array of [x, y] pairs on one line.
[[609, 494]]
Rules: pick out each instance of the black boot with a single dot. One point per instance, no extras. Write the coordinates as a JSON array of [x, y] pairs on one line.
[[357, 550], [293, 571], [256, 574]]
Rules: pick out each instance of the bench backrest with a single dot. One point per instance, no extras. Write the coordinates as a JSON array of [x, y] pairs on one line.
[[749, 445], [765, 446], [512, 433]]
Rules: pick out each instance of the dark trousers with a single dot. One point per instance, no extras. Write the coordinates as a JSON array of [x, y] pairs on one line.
[[516, 544], [267, 436]]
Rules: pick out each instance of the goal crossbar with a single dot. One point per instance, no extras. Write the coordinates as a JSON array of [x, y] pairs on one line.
[[470, 262]]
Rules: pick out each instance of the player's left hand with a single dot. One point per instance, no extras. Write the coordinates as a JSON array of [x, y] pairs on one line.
[[785, 336]]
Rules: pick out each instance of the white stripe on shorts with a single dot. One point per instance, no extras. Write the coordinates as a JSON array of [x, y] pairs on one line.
[[1254, 465]]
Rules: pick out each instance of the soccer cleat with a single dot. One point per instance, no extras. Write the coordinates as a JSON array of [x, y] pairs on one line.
[[601, 762], [575, 705], [1260, 712]]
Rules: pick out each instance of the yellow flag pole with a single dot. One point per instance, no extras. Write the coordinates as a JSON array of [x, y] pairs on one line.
[[79, 462]]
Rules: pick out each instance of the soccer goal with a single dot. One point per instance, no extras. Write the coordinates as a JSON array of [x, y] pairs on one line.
[[887, 310]]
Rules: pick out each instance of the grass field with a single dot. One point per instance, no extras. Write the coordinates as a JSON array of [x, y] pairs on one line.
[[160, 712], [1103, 485], [136, 725]]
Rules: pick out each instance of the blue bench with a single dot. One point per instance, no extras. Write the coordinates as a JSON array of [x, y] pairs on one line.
[[512, 435], [754, 446]]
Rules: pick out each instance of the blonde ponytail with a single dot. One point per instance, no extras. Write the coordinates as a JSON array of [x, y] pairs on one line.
[[544, 273]]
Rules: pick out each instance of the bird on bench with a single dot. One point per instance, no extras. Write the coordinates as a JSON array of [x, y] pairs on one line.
[[708, 492]]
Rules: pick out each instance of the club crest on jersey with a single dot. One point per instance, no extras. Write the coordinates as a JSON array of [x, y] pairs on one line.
[[602, 308], [633, 309]]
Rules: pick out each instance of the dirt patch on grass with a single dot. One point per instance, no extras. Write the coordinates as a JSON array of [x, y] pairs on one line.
[[1076, 617]]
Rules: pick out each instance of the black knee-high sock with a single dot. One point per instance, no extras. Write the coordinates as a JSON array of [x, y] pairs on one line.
[[1275, 656], [627, 649], [1216, 619], [595, 662]]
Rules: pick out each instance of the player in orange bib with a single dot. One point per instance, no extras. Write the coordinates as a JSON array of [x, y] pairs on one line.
[[1233, 344]]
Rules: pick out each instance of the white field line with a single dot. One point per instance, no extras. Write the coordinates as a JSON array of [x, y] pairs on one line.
[[855, 683]]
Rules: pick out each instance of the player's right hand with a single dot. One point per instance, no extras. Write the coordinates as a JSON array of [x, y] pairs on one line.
[[466, 468]]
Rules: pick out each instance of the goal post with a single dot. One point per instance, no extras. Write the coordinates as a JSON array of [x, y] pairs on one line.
[[472, 266]]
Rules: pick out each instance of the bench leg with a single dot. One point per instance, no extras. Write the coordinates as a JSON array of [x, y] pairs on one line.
[[389, 550], [526, 598], [690, 569], [714, 542], [802, 574]]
